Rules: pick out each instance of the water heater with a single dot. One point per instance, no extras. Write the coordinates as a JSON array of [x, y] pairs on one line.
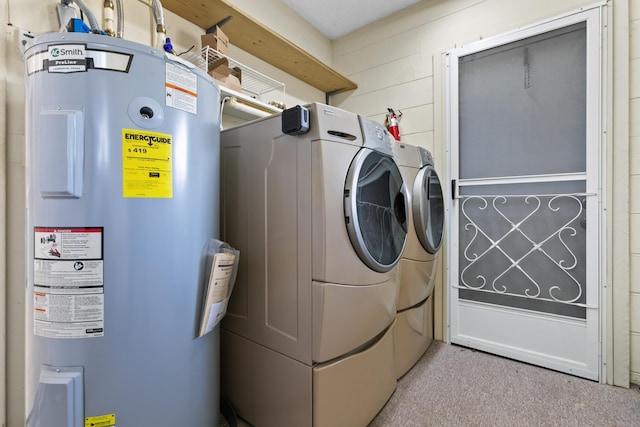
[[122, 202]]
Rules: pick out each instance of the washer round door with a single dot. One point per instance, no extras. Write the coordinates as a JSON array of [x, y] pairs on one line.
[[376, 206], [428, 209]]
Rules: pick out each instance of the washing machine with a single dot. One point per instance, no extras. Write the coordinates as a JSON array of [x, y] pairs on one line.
[[320, 220], [414, 319]]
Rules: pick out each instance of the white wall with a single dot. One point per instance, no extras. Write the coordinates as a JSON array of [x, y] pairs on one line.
[[393, 60], [397, 62], [279, 17], [39, 16], [634, 169], [3, 229]]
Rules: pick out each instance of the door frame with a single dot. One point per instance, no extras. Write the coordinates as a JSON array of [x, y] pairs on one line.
[[597, 160]]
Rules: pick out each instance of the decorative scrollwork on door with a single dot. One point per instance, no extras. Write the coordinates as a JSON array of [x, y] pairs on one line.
[[524, 246]]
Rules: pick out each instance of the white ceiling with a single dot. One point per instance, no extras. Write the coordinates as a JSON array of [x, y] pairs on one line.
[[335, 18]]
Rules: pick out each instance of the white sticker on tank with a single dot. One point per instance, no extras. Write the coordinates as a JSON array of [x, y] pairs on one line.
[[181, 89], [68, 289], [67, 58]]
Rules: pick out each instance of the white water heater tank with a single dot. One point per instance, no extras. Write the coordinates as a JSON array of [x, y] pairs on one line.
[[122, 201]]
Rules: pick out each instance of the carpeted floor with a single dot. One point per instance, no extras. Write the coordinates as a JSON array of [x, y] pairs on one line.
[[459, 387], [456, 386]]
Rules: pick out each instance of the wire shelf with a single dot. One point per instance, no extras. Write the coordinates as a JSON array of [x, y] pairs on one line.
[[254, 84]]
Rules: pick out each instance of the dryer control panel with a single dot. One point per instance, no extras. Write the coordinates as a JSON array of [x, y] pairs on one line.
[[376, 136], [425, 157]]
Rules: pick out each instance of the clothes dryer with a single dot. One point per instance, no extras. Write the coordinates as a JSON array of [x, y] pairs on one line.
[[320, 220], [414, 320]]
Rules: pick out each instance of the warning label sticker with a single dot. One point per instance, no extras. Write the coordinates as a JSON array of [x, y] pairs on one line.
[[146, 164], [181, 89], [100, 421], [68, 243], [68, 276]]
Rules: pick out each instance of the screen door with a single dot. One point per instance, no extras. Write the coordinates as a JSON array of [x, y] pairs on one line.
[[525, 167]]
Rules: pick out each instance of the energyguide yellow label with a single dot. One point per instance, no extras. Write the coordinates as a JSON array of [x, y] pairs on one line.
[[146, 164], [100, 421]]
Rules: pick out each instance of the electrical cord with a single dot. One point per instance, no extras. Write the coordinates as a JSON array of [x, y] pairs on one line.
[[224, 100]]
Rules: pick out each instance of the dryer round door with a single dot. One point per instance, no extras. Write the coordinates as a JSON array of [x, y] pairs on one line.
[[376, 208], [428, 209]]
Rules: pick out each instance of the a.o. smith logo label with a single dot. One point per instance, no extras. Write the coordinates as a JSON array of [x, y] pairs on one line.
[[67, 58]]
